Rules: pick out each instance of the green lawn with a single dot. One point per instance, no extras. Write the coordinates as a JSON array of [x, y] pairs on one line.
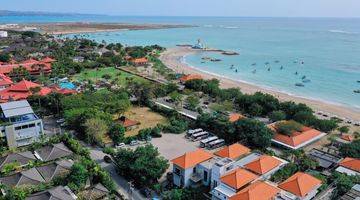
[[116, 75]]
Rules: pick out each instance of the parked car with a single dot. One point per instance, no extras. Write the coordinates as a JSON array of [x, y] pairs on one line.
[[107, 159], [60, 121], [134, 142], [121, 145]]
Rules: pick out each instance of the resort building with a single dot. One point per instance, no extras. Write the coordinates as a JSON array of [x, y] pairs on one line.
[[259, 190], [349, 166], [297, 139], [190, 77], [20, 125], [353, 194], [34, 67], [233, 117], [52, 152], [232, 182], [21, 91], [128, 124], [97, 191], [58, 193], [203, 168], [300, 186], [186, 168], [139, 61], [5, 82], [21, 158]]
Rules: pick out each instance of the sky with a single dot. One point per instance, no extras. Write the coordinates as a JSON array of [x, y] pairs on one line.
[[255, 8]]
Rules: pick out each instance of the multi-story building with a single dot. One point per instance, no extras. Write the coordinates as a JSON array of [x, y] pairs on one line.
[[20, 126]]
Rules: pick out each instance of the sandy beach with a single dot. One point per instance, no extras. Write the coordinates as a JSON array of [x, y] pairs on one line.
[[172, 58], [80, 27]]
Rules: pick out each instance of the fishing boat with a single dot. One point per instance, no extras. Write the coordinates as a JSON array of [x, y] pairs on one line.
[[299, 85], [253, 64], [306, 80], [215, 60], [304, 77], [357, 91]]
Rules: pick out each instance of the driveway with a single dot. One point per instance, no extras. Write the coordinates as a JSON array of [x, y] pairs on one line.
[[122, 185]]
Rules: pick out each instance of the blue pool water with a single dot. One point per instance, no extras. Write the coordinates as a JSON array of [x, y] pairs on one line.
[[67, 85], [329, 48]]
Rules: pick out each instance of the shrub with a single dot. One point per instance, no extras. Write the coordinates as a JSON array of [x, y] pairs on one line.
[[288, 127]]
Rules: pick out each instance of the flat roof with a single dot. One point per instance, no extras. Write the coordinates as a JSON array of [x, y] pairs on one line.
[[16, 108]]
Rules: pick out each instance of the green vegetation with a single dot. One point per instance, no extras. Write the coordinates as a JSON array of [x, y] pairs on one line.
[[288, 127], [277, 116], [143, 166], [351, 150], [184, 194], [343, 184]]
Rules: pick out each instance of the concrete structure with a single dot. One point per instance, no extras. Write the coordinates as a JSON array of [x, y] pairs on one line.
[[300, 186], [20, 125], [349, 166], [3, 34], [353, 194]]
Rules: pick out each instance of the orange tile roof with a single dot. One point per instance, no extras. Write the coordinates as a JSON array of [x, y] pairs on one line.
[[5, 81], [347, 137], [233, 117], [238, 178], [351, 163], [139, 60], [257, 191], [128, 123], [233, 151], [190, 159], [190, 77], [48, 60], [300, 184], [263, 164], [297, 138]]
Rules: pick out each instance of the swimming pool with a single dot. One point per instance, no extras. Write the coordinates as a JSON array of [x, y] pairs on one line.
[[67, 85]]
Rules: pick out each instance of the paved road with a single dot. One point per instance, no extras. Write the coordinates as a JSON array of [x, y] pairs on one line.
[[121, 184]]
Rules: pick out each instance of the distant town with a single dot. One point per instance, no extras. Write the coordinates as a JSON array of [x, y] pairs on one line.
[[82, 119]]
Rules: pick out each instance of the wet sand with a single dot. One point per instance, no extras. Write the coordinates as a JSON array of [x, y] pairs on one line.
[[172, 58]]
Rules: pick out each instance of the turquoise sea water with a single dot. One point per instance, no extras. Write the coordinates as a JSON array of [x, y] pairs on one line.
[[329, 48]]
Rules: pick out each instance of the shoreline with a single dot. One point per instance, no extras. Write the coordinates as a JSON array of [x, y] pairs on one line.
[[63, 28], [173, 58]]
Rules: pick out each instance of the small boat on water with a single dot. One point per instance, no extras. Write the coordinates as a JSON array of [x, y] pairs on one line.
[[296, 73], [304, 77], [357, 91], [203, 62], [299, 85], [254, 71], [236, 70], [281, 68], [253, 64], [206, 58], [306, 80], [269, 69], [358, 81], [276, 61], [267, 63], [215, 60]]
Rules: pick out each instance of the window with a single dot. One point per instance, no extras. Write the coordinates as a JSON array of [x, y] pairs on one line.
[[205, 175], [177, 171], [17, 128], [24, 126], [194, 170], [31, 125]]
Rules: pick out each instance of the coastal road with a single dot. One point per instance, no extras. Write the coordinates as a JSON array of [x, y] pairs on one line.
[[122, 185]]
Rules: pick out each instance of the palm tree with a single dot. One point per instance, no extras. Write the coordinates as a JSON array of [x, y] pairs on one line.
[[35, 91]]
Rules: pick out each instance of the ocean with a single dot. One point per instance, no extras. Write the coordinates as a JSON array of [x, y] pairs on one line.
[[323, 54]]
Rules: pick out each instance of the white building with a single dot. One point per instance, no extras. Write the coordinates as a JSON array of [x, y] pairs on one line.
[[19, 124], [3, 34], [349, 166]]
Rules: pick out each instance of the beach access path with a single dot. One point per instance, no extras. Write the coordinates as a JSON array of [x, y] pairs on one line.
[[173, 57]]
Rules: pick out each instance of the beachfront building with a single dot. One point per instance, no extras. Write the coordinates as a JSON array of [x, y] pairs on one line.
[[300, 186], [3, 34], [349, 166], [297, 139], [139, 61], [20, 125], [190, 77], [58, 193]]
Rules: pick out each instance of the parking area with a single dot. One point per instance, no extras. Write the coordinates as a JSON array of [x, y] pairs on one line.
[[174, 145]]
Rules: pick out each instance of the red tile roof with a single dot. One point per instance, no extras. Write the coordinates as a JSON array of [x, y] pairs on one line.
[[33, 66], [139, 60], [300, 184], [233, 151], [257, 191], [63, 91], [347, 137], [263, 164], [192, 158], [21, 90], [5, 81], [296, 138], [190, 77], [351, 163], [233, 117], [48, 60], [128, 123], [238, 178]]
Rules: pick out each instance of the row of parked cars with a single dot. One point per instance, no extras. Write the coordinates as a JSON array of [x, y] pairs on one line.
[[207, 139]]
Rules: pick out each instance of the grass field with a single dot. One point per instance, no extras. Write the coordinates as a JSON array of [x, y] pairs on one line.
[[115, 75], [146, 117]]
